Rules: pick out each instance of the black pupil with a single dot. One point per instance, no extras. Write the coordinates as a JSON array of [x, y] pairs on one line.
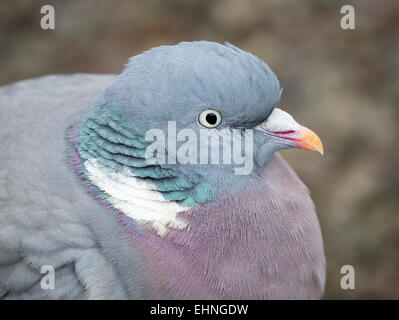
[[211, 118]]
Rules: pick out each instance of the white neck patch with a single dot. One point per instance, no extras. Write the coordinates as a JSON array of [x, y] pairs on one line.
[[137, 199]]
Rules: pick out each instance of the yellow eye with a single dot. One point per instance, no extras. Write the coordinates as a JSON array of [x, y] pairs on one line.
[[210, 118]]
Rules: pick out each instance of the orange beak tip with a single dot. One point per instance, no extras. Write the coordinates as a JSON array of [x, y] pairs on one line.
[[308, 140]]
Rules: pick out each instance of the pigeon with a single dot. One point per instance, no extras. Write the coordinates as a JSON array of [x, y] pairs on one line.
[[111, 186]]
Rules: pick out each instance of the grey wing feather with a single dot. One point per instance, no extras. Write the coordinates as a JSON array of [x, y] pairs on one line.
[[46, 217]]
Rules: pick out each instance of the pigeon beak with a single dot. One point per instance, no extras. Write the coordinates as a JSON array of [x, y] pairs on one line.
[[303, 138], [281, 126]]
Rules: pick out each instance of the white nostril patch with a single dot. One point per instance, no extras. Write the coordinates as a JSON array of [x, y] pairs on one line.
[[279, 121]]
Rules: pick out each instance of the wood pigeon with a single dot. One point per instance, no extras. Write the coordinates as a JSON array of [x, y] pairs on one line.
[[87, 199]]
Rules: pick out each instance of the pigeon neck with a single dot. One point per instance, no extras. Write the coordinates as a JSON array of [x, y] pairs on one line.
[[111, 161]]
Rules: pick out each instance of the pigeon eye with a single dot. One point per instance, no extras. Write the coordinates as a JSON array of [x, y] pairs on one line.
[[210, 118]]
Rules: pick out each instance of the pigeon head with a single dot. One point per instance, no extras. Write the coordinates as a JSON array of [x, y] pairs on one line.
[[182, 124]]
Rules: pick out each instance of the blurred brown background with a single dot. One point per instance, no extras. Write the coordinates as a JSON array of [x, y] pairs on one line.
[[341, 83]]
